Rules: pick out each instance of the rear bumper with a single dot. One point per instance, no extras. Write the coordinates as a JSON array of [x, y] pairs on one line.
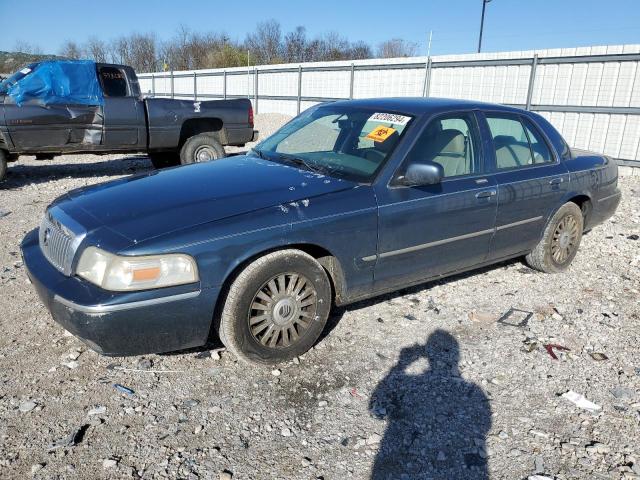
[[117, 324], [604, 208], [238, 136]]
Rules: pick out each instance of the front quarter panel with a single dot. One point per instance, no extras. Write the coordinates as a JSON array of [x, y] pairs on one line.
[[344, 223]]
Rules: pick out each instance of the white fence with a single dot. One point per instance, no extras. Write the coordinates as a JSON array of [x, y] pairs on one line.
[[591, 94]]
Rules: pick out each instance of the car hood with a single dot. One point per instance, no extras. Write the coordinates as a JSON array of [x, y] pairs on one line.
[[145, 206]]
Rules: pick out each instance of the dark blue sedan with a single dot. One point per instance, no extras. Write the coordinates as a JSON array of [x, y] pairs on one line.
[[349, 200]]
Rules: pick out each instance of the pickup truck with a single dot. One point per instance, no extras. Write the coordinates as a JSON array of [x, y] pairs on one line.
[[58, 107]]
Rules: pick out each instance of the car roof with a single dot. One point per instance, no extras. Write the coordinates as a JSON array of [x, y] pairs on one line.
[[420, 106]]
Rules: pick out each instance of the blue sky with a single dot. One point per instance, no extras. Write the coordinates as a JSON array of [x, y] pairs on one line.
[[509, 24]]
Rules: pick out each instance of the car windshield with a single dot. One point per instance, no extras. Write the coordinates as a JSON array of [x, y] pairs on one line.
[[343, 141], [16, 77]]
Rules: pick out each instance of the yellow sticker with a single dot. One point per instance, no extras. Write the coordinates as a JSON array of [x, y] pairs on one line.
[[381, 133]]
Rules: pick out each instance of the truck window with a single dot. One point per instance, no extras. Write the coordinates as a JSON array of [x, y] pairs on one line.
[[113, 81]]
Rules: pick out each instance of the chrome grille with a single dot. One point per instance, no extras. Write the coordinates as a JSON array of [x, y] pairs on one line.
[[57, 241]]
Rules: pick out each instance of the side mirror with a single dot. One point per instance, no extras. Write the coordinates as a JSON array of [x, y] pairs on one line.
[[419, 174]]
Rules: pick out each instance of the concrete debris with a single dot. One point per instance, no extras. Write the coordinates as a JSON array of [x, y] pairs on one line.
[[581, 402]]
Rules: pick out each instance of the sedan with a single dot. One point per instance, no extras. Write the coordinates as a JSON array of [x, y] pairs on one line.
[[349, 200]]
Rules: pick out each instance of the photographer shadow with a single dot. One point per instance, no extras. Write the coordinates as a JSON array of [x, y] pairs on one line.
[[437, 422]]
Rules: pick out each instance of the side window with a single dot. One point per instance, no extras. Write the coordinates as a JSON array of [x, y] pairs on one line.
[[449, 141], [517, 145], [113, 81], [539, 147]]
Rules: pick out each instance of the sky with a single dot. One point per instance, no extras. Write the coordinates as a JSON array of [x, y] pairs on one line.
[[509, 24]]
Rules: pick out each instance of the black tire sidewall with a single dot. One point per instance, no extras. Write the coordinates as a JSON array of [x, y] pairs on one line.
[[557, 218], [243, 338], [187, 153], [3, 166]]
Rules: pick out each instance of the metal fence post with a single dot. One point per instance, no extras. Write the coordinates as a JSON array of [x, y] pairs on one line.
[[299, 88], [224, 85], [172, 86], [255, 90], [532, 80], [153, 85], [427, 78], [351, 81], [195, 86]]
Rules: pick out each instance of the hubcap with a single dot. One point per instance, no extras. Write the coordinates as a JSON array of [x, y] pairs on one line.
[[204, 154], [282, 310], [565, 239]]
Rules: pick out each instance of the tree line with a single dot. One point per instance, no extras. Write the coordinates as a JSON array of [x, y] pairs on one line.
[[190, 50]]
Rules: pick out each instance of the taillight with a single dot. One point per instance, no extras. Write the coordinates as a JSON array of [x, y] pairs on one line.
[[251, 116]]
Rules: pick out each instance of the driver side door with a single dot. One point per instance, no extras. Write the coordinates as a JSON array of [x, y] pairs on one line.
[[425, 231]]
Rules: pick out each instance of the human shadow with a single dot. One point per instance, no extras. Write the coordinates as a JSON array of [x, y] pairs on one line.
[[437, 422]]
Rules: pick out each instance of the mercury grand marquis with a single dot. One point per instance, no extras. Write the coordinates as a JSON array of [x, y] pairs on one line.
[[349, 200]]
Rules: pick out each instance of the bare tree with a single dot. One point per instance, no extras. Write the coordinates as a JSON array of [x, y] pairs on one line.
[[295, 44], [97, 50], [360, 51], [266, 43], [396, 47], [71, 50], [25, 47]]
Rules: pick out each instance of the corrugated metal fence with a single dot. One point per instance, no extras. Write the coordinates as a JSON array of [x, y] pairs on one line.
[[592, 95]]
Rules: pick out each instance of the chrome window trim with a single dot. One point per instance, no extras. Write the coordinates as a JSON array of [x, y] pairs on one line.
[[100, 309]]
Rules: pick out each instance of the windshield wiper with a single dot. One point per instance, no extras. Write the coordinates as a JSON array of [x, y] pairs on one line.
[[301, 162]]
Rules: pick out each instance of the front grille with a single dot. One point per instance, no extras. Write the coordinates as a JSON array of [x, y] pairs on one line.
[[57, 241]]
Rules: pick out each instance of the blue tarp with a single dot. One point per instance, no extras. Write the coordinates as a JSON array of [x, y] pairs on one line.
[[59, 82]]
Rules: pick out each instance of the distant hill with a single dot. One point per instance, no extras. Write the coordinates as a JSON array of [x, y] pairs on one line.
[[12, 61]]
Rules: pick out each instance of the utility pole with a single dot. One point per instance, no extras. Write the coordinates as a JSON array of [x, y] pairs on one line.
[[484, 5], [429, 43]]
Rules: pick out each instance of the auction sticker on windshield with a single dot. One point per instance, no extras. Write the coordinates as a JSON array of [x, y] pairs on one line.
[[381, 133], [389, 118]]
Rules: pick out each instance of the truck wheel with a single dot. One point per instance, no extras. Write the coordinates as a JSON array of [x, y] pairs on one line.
[[560, 241], [3, 165], [276, 308], [201, 148], [164, 159]]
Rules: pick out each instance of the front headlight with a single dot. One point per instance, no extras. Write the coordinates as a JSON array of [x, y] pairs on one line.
[[113, 272]]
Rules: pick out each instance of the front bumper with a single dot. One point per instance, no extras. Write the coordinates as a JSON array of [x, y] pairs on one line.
[[114, 323]]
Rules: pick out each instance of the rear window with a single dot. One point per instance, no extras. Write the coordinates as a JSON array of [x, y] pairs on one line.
[[114, 82]]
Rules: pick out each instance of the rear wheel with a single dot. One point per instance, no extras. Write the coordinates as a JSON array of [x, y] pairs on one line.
[[201, 148], [3, 165], [276, 308], [560, 241], [164, 159]]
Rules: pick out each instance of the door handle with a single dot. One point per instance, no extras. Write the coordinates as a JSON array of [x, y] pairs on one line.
[[486, 194], [556, 181]]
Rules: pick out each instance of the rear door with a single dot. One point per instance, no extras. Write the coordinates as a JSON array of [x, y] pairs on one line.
[[124, 117], [531, 182], [430, 230]]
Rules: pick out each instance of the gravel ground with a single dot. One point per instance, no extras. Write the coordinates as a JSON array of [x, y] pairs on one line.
[[425, 383]]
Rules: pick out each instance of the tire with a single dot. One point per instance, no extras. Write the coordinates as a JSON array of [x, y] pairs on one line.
[[164, 159], [201, 148], [560, 241], [287, 308], [3, 165], [45, 156]]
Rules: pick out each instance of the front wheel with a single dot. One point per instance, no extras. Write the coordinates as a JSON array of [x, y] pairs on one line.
[[3, 165], [201, 148], [560, 241], [276, 308]]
